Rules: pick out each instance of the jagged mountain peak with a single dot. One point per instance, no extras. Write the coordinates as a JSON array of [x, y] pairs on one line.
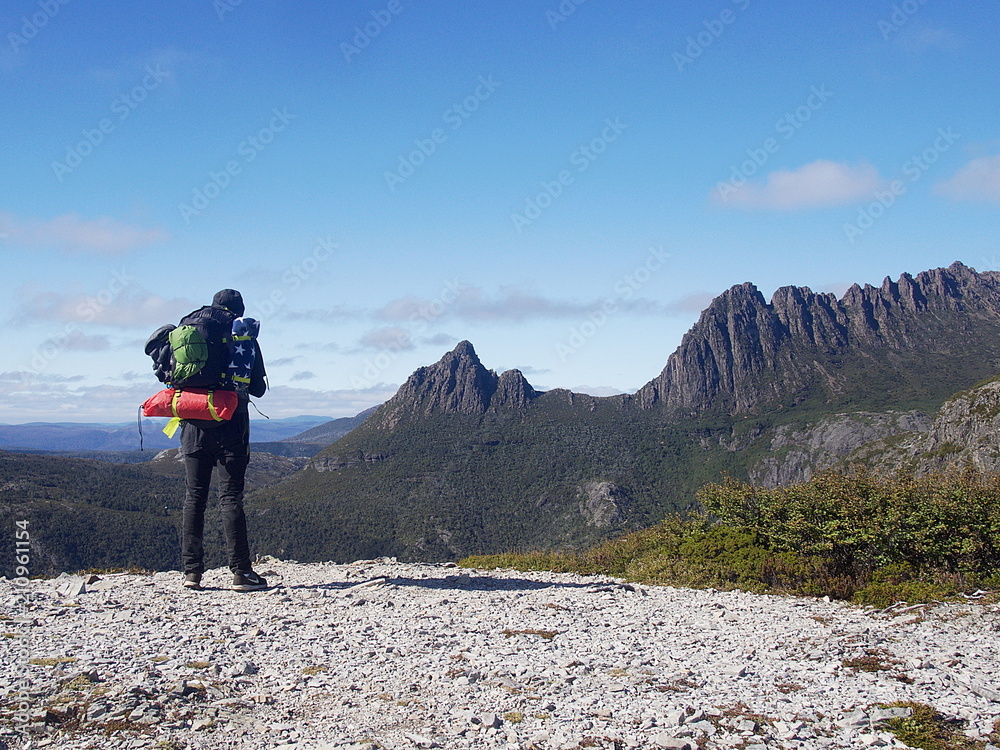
[[464, 349], [745, 354], [458, 382]]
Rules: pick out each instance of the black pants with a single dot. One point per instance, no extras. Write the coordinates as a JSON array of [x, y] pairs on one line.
[[201, 456]]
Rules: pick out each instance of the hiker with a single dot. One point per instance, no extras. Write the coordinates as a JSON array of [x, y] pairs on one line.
[[206, 444]]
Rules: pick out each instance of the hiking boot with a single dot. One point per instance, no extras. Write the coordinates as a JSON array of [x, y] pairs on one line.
[[248, 582], [193, 581]]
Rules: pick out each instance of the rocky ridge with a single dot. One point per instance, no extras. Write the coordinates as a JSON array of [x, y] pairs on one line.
[[458, 382], [384, 655], [745, 353]]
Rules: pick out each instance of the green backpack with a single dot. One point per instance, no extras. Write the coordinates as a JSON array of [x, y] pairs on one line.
[[190, 352]]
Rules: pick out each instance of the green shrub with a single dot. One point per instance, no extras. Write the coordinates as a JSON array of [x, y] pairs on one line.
[[859, 522], [873, 540]]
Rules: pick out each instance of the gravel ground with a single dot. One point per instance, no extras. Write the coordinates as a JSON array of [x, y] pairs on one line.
[[379, 654]]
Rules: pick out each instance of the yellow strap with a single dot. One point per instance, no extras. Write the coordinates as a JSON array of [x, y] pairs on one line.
[[171, 427], [211, 407]]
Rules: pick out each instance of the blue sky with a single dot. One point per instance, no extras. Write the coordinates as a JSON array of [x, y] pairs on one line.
[[566, 185]]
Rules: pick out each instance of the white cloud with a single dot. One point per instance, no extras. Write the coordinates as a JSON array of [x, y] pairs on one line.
[[120, 304], [390, 338], [77, 341], [72, 233], [819, 184], [979, 180], [282, 361], [510, 304]]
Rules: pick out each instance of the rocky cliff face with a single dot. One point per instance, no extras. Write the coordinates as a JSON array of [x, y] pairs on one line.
[[457, 383], [795, 454], [745, 354], [965, 432]]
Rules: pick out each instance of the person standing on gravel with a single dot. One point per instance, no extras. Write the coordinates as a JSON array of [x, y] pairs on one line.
[[206, 444]]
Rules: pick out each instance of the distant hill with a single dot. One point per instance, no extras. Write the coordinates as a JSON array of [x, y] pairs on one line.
[[80, 438], [331, 431], [71, 436]]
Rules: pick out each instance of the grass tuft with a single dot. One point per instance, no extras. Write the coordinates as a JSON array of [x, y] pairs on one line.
[[927, 729]]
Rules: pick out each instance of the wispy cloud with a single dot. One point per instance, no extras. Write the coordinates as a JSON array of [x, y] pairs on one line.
[[131, 308], [78, 341], [282, 361], [819, 184], [72, 233], [509, 304], [289, 401], [390, 338], [979, 180], [918, 39], [406, 323]]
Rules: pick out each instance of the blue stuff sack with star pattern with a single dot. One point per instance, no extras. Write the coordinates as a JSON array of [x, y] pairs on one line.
[[242, 352]]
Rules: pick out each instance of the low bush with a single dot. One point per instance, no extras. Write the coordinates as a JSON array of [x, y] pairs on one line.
[[855, 536]]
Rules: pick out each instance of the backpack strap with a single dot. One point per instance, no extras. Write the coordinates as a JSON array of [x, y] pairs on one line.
[[211, 407]]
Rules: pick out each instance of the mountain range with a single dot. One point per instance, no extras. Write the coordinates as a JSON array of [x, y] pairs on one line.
[[463, 460]]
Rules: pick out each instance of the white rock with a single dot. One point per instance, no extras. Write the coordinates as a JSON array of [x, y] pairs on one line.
[[666, 740]]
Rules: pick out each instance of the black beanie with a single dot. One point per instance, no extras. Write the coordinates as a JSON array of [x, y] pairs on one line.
[[231, 300]]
